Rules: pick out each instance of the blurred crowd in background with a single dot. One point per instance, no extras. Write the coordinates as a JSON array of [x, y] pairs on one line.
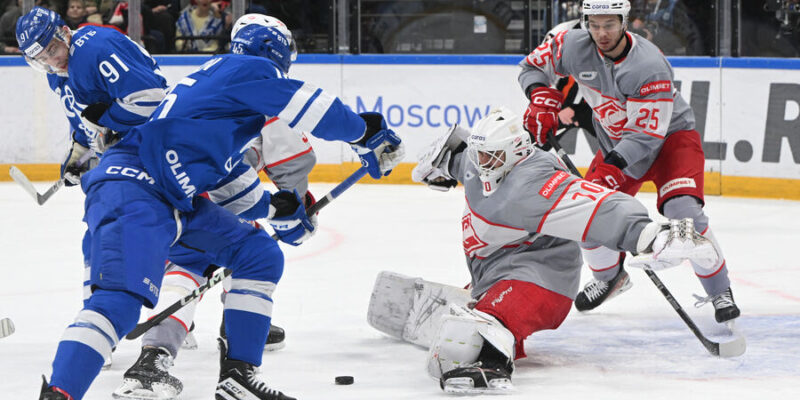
[[767, 28]]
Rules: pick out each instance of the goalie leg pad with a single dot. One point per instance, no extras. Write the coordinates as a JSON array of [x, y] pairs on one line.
[[409, 308], [523, 308], [461, 337]]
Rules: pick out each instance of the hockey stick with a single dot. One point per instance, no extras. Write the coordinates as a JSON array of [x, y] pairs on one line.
[[733, 348], [18, 176], [6, 327], [219, 276]]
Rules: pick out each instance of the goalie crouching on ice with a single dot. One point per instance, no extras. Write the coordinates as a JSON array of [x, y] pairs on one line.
[[523, 219]]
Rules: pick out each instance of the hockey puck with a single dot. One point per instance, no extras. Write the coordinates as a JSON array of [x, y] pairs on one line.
[[344, 380]]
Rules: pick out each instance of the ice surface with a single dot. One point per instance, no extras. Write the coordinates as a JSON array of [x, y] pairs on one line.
[[634, 347]]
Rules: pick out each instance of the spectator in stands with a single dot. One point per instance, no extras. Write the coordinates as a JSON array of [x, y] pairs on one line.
[[204, 19], [76, 14], [8, 23], [162, 17]]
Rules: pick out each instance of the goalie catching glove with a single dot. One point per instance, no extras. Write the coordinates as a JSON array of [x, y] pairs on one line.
[[433, 167], [287, 216], [380, 149], [663, 245]]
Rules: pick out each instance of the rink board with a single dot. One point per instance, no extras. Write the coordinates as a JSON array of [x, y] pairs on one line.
[[747, 110]]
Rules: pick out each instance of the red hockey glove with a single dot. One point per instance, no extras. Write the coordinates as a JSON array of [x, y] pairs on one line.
[[542, 114], [606, 175], [309, 199]]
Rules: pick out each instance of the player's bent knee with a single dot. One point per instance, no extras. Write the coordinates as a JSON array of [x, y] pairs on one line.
[[121, 309], [681, 207], [258, 257]]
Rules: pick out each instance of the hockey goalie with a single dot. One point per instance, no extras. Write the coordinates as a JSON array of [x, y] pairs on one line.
[[523, 219]]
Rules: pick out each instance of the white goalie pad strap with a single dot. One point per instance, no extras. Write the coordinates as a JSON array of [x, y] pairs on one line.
[[457, 344], [251, 296], [600, 258], [94, 330], [461, 337]]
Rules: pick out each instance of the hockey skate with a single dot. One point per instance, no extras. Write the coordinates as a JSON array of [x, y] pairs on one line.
[[275, 338], [596, 291], [476, 379], [239, 380], [52, 393], [149, 378], [725, 308]]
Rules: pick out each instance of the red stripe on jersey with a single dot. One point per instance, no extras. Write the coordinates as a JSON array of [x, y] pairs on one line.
[[544, 217], [653, 134], [289, 158], [588, 224], [490, 222]]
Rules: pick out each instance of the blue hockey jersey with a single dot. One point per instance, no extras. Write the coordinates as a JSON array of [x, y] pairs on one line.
[[203, 127], [105, 66]]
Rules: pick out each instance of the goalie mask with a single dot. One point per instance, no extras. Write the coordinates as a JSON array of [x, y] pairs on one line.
[[268, 21], [35, 33], [263, 41], [496, 145]]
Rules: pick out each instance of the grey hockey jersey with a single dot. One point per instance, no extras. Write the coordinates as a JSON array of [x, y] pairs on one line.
[[634, 101], [528, 229]]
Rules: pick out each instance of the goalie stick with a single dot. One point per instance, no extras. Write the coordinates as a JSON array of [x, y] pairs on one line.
[[18, 176], [219, 276], [733, 348]]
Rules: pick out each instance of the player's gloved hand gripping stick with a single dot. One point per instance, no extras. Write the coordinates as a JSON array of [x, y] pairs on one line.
[[222, 273], [733, 348], [18, 176]]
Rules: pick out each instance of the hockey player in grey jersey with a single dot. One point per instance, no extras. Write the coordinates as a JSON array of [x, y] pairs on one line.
[[523, 219], [645, 129]]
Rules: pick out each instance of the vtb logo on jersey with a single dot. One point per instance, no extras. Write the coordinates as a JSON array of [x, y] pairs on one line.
[[471, 241], [613, 117]]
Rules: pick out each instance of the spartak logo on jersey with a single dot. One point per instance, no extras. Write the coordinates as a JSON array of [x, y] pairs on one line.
[[613, 117], [471, 241]]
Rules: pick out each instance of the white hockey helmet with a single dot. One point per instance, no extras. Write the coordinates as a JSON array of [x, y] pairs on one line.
[[605, 7], [496, 145], [268, 21]]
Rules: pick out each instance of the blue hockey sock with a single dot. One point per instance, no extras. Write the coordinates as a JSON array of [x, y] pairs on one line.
[[247, 333], [75, 367]]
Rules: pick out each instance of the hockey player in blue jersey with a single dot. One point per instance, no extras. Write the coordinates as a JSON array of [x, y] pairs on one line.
[[107, 84], [141, 207]]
